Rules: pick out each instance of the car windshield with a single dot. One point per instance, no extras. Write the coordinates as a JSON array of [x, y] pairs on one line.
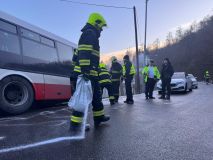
[[191, 76], [178, 75]]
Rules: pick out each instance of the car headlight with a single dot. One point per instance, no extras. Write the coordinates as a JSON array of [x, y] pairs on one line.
[[180, 82]]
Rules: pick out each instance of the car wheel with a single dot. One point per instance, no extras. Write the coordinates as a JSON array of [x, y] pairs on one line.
[[185, 91], [16, 95]]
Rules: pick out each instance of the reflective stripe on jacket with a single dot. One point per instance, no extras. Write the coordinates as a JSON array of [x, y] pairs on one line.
[[104, 76]]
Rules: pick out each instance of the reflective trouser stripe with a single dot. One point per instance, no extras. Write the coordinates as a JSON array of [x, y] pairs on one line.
[[115, 80], [76, 119], [111, 97], [98, 113]]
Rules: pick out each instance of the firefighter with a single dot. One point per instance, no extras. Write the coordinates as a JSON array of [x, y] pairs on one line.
[[86, 61], [151, 76], [128, 74], [105, 82], [207, 77], [116, 72]]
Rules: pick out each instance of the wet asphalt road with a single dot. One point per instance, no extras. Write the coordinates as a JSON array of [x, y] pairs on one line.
[[181, 129]]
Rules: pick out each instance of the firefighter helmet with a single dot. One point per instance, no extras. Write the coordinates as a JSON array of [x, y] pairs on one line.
[[113, 59], [97, 20]]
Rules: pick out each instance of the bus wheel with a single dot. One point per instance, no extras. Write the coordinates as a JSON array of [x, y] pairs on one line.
[[16, 95]]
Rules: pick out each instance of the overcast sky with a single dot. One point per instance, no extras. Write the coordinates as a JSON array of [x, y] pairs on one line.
[[66, 19]]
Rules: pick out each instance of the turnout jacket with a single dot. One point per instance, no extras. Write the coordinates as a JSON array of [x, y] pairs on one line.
[[87, 56], [116, 72], [104, 76]]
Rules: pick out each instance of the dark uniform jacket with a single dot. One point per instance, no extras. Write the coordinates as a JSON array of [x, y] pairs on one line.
[[167, 71], [116, 71], [86, 58]]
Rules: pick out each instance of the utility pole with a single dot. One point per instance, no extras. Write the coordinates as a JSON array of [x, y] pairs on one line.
[[145, 51], [137, 80]]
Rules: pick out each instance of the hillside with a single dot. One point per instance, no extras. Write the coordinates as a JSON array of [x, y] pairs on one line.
[[192, 51]]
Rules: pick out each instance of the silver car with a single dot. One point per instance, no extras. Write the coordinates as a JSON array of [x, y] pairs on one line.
[[180, 82], [194, 81]]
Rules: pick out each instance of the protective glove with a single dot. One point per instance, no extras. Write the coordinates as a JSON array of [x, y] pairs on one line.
[[85, 71], [122, 79]]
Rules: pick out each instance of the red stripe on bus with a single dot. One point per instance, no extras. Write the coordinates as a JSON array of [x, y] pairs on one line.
[[52, 91], [39, 91]]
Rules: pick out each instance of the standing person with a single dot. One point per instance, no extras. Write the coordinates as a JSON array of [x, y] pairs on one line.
[[167, 72], [207, 77], [128, 74], [105, 82], [86, 61], [116, 72], [151, 75]]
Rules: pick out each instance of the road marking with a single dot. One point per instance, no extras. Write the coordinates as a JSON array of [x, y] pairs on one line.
[[48, 123], [55, 140]]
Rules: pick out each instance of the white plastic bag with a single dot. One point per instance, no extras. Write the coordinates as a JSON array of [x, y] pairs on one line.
[[82, 97]]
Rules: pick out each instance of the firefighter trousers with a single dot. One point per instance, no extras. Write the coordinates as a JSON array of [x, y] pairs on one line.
[[128, 87], [98, 108], [109, 88], [115, 88]]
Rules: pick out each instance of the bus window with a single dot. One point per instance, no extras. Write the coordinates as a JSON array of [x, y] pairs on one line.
[[8, 27], [39, 51], [28, 34], [65, 52], [9, 42], [47, 41]]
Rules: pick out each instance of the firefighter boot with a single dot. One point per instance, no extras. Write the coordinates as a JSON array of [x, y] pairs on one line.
[[76, 121], [112, 102], [98, 121]]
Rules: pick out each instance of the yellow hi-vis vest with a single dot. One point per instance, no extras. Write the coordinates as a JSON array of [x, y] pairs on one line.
[[146, 70], [132, 70]]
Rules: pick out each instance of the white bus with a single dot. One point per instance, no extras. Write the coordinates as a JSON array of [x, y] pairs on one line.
[[35, 65]]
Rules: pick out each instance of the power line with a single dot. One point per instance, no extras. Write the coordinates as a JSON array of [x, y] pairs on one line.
[[99, 5]]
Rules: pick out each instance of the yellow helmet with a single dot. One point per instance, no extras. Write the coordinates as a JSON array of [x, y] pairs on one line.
[[102, 65], [97, 20]]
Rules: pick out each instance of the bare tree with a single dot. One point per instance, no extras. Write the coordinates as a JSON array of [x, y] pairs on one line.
[[169, 39], [156, 44], [179, 33]]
